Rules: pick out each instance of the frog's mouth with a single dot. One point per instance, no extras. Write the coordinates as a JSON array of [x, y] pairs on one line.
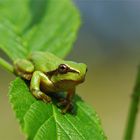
[[81, 80], [64, 85]]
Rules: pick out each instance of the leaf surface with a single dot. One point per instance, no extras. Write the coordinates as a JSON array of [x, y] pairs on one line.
[[57, 30], [45, 121], [11, 42], [53, 30], [16, 11]]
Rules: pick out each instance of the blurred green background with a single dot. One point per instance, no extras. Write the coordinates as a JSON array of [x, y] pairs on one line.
[[109, 42]]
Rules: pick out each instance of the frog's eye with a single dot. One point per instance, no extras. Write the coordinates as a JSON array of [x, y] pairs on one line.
[[63, 69]]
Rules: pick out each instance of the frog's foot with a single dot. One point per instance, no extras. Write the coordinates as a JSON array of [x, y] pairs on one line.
[[41, 96], [26, 76], [66, 104]]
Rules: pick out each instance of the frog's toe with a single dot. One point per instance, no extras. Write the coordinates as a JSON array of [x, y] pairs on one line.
[[63, 102], [41, 96], [46, 99], [66, 104], [67, 108]]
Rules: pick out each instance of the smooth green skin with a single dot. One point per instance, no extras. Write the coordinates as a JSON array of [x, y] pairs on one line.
[[41, 69]]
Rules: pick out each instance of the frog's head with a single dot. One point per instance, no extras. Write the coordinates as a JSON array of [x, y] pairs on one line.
[[68, 75]]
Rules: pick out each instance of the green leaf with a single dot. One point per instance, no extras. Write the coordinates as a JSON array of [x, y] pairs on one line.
[[53, 30], [10, 40], [57, 30], [42, 121], [16, 11]]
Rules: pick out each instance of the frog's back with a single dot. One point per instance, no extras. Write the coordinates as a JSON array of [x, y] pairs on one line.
[[44, 61]]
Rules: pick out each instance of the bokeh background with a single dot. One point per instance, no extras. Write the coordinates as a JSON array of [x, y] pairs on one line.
[[109, 42]]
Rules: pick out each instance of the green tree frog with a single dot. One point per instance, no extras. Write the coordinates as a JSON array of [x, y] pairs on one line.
[[49, 74]]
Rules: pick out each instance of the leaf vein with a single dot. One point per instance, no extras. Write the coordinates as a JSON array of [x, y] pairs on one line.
[[63, 129], [86, 113], [75, 128], [46, 121], [58, 138]]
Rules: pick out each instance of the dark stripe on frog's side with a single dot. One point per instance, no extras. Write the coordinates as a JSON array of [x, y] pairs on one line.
[[55, 72], [51, 73]]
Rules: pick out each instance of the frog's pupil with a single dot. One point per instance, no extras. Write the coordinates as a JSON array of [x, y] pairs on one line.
[[63, 66], [62, 69]]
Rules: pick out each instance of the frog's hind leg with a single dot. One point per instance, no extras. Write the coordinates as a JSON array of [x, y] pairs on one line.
[[67, 102], [38, 78], [24, 68]]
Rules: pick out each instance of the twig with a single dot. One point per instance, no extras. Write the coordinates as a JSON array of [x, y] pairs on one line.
[[133, 110], [6, 65]]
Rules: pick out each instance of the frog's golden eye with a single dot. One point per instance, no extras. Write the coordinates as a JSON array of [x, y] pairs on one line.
[[63, 69]]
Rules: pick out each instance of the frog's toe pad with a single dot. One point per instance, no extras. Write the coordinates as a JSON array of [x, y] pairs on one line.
[[45, 98]]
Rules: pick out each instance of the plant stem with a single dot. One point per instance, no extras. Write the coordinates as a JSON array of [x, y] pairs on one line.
[[133, 110], [6, 65]]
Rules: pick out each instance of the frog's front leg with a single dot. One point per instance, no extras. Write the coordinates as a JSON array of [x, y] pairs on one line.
[[38, 78]]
